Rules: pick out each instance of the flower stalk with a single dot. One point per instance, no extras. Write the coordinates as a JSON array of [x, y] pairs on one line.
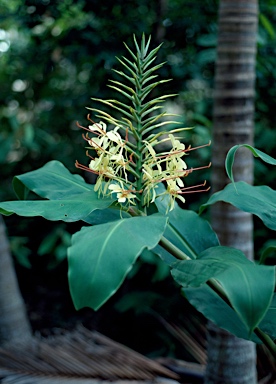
[[124, 155]]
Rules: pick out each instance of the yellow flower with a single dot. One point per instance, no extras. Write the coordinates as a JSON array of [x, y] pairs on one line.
[[102, 165], [98, 127], [123, 195], [119, 167], [100, 144], [173, 192], [115, 136]]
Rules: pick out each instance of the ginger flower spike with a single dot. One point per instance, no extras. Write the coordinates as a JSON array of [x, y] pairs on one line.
[[122, 151]]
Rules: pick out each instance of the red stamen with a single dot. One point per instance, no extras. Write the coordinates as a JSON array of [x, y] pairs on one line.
[[198, 168], [84, 168], [98, 125], [131, 159], [199, 190], [182, 173], [87, 154], [87, 138], [184, 150], [200, 146], [185, 190], [92, 121], [80, 126], [173, 153]]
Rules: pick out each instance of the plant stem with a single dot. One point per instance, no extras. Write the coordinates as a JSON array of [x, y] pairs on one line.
[[266, 340], [217, 288], [172, 249], [139, 143]]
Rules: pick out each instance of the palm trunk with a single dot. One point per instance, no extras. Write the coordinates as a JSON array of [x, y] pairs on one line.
[[14, 324], [232, 360]]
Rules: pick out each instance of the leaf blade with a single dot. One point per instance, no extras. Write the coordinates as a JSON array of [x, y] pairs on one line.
[[74, 208], [249, 287], [186, 229], [258, 200], [95, 276], [41, 182], [268, 324], [215, 309], [229, 161]]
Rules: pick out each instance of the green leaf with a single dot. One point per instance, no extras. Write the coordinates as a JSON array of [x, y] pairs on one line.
[[194, 273], [101, 216], [209, 264], [53, 181], [229, 161], [101, 256], [250, 289], [74, 208], [260, 201], [206, 301], [186, 230], [268, 324], [248, 286]]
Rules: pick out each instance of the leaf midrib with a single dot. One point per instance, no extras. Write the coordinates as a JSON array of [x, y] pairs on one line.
[[104, 245]]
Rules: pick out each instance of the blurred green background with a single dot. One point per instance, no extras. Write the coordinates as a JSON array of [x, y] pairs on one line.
[[56, 55]]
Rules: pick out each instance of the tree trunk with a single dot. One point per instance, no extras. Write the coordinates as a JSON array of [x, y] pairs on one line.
[[14, 324], [232, 360]]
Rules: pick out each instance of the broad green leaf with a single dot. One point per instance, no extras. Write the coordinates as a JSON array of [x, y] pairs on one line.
[[74, 208], [268, 324], [248, 286], [206, 301], [252, 299], [229, 161], [52, 181], [186, 230], [194, 273], [101, 216], [101, 256], [260, 201]]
